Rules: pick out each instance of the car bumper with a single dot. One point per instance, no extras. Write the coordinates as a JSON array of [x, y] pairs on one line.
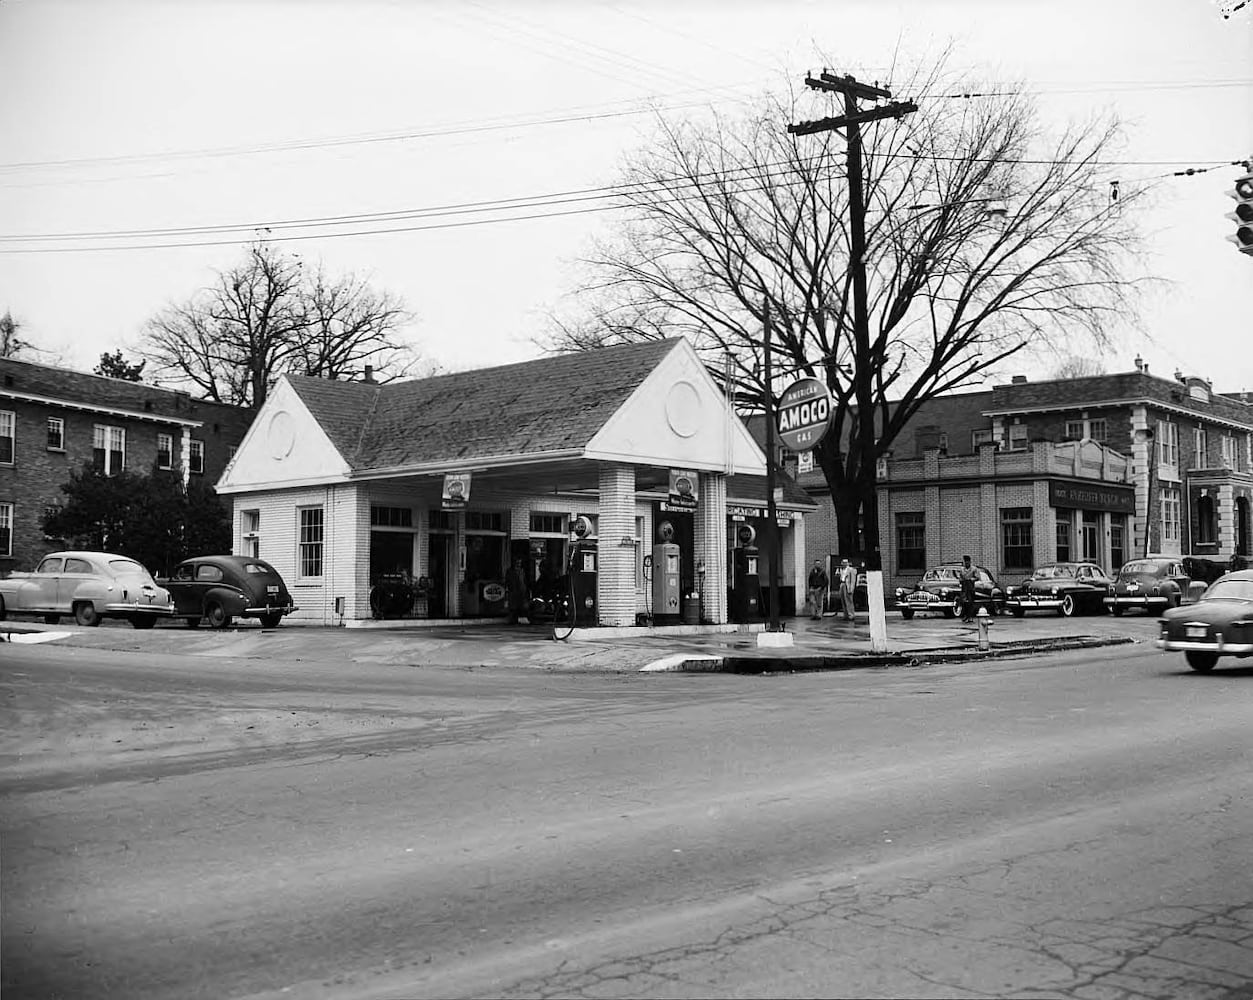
[[1033, 603], [928, 606], [1205, 646], [1136, 602], [138, 608], [276, 609]]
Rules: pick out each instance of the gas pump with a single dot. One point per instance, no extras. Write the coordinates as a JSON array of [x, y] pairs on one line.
[[745, 581], [667, 592], [583, 572]]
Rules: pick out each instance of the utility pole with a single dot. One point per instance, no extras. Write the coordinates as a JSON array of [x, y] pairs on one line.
[[772, 513], [863, 362]]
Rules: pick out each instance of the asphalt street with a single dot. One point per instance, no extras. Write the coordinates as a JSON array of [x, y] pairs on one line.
[[1076, 825]]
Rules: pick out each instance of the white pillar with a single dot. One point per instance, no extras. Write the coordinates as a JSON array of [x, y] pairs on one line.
[[615, 529], [710, 543]]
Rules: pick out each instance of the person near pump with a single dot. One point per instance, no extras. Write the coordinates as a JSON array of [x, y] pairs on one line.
[[848, 585], [818, 584], [968, 575], [516, 591]]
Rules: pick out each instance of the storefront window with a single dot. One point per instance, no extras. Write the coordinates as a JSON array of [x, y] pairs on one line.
[[911, 541], [1117, 541], [1063, 535], [1170, 515], [1016, 547]]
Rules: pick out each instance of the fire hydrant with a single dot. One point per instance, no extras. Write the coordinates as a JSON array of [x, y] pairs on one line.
[[983, 620]]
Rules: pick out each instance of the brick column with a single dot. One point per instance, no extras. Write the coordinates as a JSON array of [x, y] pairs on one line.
[[710, 543], [615, 580]]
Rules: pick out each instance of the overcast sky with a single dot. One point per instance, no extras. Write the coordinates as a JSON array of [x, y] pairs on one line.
[[123, 117]]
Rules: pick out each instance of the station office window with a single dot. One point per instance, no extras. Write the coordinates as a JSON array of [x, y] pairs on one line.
[[1016, 547], [8, 425], [165, 451], [108, 449], [6, 529], [911, 540], [250, 522], [196, 460], [391, 517], [56, 434], [310, 550]]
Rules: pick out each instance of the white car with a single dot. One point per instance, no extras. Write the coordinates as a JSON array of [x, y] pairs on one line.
[[88, 585]]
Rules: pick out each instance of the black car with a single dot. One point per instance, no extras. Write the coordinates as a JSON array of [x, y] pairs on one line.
[[940, 590], [223, 588], [1219, 624], [1067, 588], [1152, 585]]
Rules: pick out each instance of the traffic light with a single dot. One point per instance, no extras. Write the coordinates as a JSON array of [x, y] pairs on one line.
[[1243, 215]]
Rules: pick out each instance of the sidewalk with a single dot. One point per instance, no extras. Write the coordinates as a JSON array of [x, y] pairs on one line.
[[831, 643]]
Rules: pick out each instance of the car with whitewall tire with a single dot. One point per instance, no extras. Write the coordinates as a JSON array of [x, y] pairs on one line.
[[88, 586]]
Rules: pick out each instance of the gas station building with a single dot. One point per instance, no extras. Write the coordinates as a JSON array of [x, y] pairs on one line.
[[628, 458]]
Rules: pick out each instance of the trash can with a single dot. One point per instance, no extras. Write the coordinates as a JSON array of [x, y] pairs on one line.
[[691, 609]]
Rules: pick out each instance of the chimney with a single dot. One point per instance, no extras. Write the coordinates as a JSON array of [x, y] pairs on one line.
[[1139, 363], [1019, 380], [369, 375]]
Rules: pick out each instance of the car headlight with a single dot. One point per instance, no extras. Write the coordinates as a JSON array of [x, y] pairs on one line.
[[1053, 591]]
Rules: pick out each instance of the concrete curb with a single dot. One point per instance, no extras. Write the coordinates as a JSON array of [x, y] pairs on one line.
[[801, 663]]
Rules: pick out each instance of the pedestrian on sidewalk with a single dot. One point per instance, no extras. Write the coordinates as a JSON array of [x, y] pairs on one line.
[[968, 575], [848, 585], [818, 586]]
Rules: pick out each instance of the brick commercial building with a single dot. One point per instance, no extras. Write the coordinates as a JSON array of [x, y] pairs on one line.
[[54, 421], [449, 481], [1100, 468]]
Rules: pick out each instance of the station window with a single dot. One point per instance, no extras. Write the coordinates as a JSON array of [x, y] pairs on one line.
[[545, 523], [311, 527], [391, 517], [250, 523]]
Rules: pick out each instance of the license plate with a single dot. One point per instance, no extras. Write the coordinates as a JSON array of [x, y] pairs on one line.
[[919, 600], [271, 589], [1196, 631]]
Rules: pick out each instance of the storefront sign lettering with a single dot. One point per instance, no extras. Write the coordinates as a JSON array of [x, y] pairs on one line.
[[1120, 500]]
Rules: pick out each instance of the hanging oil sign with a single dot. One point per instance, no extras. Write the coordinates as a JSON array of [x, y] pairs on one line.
[[804, 414]]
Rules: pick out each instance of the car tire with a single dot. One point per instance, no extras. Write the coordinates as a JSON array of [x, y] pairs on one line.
[[85, 614], [270, 621], [907, 613], [143, 621], [1117, 610], [52, 619], [1201, 662], [217, 616], [950, 613], [1018, 612], [1067, 608], [192, 622]]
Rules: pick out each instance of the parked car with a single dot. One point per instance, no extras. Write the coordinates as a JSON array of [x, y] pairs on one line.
[[940, 590], [1068, 588], [223, 588], [88, 585], [1219, 624], [1151, 585]]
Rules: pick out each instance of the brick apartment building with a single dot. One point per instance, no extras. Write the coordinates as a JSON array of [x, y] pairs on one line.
[[1105, 467], [53, 421]]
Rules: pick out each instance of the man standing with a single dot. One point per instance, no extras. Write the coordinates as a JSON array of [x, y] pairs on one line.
[[848, 584], [968, 576], [818, 584]]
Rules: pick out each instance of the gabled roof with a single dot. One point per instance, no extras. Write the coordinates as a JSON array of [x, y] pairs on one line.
[[554, 405]]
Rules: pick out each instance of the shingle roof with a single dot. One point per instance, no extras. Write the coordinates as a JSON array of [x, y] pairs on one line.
[[115, 394], [550, 405]]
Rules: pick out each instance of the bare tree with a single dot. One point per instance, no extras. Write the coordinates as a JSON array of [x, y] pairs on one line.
[[11, 345], [1078, 366], [351, 325], [266, 317], [983, 236]]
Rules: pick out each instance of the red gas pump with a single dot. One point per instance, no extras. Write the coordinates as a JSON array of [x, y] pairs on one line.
[[745, 581], [583, 559]]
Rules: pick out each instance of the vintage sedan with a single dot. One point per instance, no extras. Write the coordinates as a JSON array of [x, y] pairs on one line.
[[1067, 588], [220, 589], [940, 590], [1219, 624], [1152, 585], [88, 585]]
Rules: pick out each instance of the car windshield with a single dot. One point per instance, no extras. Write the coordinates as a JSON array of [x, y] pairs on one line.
[[127, 566], [1141, 567], [1053, 572], [1240, 590], [943, 573]]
